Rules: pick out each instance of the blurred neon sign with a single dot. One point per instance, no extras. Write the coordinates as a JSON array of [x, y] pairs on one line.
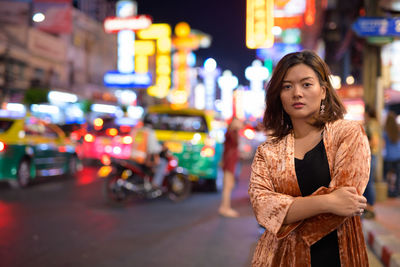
[[294, 13], [126, 8], [61, 97], [227, 82], [125, 24], [116, 24], [126, 80], [210, 72], [256, 74], [309, 15], [181, 78], [161, 33], [126, 51], [200, 96], [259, 23], [276, 52], [143, 49]]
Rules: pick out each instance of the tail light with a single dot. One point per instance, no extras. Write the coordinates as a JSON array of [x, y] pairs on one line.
[[2, 146], [249, 133], [112, 132], [207, 152], [116, 150], [104, 171], [98, 124], [75, 135], [108, 149], [172, 163], [89, 138], [126, 140], [105, 160], [125, 128]]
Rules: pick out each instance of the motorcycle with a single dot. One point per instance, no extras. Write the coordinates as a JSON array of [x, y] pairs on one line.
[[124, 178]]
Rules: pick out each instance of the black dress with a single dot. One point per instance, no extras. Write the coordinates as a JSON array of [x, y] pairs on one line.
[[313, 172]]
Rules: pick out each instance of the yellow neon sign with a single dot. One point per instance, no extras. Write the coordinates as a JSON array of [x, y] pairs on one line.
[[259, 23], [143, 49], [155, 31], [161, 33], [182, 29], [164, 45]]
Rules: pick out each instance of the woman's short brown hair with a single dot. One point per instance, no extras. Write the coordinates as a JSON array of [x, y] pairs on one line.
[[276, 121]]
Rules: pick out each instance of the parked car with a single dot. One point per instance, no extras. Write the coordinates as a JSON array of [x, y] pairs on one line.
[[194, 137], [30, 147]]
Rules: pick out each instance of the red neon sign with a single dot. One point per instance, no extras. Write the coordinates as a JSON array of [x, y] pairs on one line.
[[116, 24]]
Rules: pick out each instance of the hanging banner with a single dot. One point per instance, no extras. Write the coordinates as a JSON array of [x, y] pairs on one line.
[[57, 15]]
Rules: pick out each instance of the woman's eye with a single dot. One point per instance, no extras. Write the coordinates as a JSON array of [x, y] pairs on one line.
[[307, 84], [285, 87]]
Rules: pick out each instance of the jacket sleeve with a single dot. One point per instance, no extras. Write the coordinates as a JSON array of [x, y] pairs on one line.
[[351, 168], [270, 207]]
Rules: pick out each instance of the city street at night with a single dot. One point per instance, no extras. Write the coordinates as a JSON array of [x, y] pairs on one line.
[[66, 222], [129, 128]]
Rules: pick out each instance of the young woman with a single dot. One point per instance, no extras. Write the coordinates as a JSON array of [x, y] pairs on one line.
[[308, 178], [229, 162]]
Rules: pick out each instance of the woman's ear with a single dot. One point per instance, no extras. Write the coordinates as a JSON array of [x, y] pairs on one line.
[[323, 92]]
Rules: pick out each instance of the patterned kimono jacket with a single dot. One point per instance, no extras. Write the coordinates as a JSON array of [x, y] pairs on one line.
[[273, 187]]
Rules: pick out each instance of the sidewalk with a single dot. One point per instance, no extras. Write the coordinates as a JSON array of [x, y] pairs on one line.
[[382, 234]]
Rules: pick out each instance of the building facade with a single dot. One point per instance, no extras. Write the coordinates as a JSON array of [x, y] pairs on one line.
[[73, 62]]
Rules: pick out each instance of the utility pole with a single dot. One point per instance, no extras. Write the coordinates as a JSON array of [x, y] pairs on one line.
[[373, 92]]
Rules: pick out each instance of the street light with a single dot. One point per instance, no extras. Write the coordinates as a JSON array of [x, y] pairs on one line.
[[38, 17]]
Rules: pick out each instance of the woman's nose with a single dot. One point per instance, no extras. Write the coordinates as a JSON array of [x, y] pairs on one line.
[[297, 92]]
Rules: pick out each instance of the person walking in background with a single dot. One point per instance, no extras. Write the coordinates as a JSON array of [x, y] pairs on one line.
[[229, 161], [374, 133], [308, 178], [391, 168]]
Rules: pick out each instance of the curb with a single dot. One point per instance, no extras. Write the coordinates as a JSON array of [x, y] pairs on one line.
[[384, 244]]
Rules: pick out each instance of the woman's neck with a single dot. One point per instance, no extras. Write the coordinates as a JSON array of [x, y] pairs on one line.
[[302, 129]]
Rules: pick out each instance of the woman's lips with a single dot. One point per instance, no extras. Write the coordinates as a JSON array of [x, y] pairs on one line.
[[298, 105]]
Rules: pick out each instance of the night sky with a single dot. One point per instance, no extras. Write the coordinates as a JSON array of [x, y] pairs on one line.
[[224, 20]]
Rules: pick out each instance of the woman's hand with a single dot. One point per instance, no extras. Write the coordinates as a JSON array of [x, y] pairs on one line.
[[345, 201]]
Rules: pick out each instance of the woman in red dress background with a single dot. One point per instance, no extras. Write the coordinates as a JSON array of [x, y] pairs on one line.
[[229, 161]]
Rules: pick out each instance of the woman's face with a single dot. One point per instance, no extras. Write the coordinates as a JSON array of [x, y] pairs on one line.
[[301, 93]]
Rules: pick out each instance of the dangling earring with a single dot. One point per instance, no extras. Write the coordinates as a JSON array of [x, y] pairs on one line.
[[322, 108]]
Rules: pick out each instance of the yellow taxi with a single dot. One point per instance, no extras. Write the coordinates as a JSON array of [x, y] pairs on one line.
[[30, 147], [194, 136]]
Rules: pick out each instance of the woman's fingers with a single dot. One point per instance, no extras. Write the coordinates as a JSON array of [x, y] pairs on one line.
[[351, 189], [361, 199]]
